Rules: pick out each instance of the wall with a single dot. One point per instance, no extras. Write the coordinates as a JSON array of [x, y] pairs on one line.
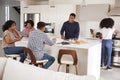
[[80, 1], [117, 22], [61, 14], [2, 18], [14, 15], [56, 15], [90, 16]]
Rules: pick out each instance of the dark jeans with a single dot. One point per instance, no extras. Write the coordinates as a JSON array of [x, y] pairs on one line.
[[15, 50], [50, 60], [106, 52]]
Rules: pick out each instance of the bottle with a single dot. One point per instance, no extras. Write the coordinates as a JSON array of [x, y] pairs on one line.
[[91, 33]]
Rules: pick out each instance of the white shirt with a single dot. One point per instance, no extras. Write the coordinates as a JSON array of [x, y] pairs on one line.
[[107, 33]]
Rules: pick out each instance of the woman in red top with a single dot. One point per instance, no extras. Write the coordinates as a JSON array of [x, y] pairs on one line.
[[29, 26]]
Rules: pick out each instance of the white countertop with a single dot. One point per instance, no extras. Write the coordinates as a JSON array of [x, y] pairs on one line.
[[87, 44]]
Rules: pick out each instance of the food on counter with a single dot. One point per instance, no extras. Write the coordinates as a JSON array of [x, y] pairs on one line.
[[80, 41]]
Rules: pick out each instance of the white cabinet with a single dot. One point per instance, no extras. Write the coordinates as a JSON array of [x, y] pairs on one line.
[[93, 12]]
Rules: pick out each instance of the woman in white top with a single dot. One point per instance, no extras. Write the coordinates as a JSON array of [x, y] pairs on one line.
[[107, 31]]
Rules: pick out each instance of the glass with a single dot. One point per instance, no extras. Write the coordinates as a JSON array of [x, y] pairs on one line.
[[32, 16]]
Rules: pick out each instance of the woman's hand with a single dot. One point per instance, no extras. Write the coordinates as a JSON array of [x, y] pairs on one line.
[[18, 35], [9, 41], [18, 39]]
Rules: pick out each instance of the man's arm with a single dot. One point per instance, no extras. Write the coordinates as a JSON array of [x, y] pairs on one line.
[[77, 31], [62, 31], [48, 41]]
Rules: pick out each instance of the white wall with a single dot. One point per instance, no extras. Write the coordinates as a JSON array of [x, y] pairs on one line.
[[87, 1], [117, 22], [56, 15]]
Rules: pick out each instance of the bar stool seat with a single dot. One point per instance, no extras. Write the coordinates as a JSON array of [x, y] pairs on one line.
[[67, 57], [32, 59], [14, 56], [38, 61]]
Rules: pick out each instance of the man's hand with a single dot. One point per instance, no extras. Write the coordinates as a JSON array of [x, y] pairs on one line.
[[54, 39]]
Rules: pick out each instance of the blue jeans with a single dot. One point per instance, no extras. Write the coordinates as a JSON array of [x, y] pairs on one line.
[[106, 52], [50, 60], [15, 50]]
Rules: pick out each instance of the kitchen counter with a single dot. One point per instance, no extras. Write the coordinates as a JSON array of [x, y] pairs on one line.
[[116, 38], [88, 43], [89, 55]]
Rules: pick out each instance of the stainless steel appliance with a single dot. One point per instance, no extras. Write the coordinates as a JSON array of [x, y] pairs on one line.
[[50, 27], [116, 51], [32, 16]]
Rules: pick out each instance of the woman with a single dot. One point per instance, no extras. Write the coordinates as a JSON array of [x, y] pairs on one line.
[[10, 36], [107, 31], [28, 27]]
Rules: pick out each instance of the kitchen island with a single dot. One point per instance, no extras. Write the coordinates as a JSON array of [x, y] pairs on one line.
[[89, 56]]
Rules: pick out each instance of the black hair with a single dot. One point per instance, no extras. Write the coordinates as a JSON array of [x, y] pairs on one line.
[[29, 21], [7, 25], [40, 25], [107, 23], [73, 14]]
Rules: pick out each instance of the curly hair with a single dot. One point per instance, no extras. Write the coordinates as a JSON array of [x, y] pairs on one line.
[[7, 25], [107, 23], [29, 21]]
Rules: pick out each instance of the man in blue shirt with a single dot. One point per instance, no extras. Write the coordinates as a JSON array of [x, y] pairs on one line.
[[71, 28]]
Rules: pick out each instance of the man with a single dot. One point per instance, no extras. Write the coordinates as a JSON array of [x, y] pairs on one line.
[[71, 28], [37, 40]]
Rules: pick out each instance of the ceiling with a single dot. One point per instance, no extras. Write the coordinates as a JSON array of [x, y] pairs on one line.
[[10, 2], [17, 2]]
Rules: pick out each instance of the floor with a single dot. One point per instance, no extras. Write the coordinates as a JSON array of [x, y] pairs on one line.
[[113, 74]]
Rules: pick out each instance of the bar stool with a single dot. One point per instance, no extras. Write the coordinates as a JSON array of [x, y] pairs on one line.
[[32, 59], [67, 62], [13, 56]]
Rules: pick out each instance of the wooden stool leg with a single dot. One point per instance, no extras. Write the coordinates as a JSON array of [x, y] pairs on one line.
[[59, 67], [14, 58], [41, 65], [67, 68], [76, 69], [30, 63]]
